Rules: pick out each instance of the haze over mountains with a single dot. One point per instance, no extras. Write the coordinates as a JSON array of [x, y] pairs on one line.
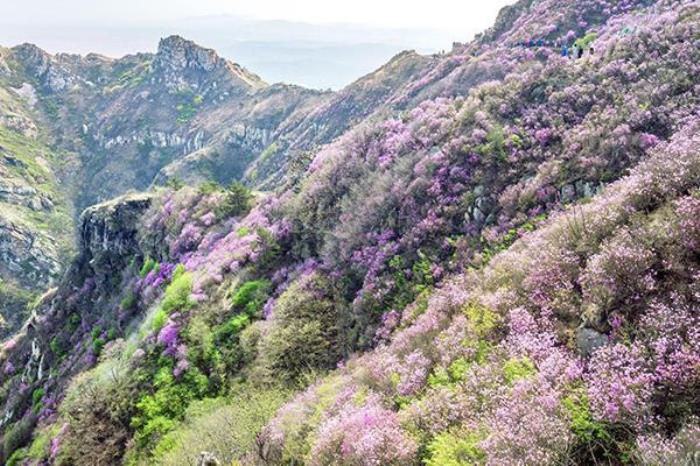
[[319, 56], [488, 256]]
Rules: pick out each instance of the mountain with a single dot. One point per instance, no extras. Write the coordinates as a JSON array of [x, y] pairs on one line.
[[95, 127], [488, 256], [315, 55]]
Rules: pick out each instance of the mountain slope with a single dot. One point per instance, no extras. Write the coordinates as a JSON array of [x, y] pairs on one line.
[[35, 202], [495, 264], [181, 115]]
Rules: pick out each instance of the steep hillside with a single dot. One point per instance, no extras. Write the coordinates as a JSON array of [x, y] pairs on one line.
[[484, 257], [36, 212]]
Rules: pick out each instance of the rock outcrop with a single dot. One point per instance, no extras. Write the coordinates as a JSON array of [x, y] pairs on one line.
[[181, 65], [108, 235]]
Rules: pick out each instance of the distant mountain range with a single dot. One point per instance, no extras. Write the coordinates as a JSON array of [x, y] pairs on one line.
[[317, 56]]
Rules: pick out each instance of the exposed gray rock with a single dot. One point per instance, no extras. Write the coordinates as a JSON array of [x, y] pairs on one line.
[[27, 255], [176, 53], [588, 340], [17, 193], [28, 93], [567, 193], [181, 65], [18, 123], [53, 75]]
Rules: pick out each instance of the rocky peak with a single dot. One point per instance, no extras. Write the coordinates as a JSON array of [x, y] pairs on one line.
[[181, 64], [54, 73], [36, 60], [177, 53]]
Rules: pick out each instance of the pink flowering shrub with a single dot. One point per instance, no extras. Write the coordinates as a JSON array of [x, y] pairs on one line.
[[656, 450], [363, 436], [526, 427], [621, 383], [622, 270]]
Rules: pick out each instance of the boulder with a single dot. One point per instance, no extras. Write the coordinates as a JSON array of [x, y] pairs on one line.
[[588, 340]]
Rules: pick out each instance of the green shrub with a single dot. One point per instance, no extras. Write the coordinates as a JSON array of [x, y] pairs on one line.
[[209, 187], [407, 289], [481, 319], [17, 457], [586, 40], [97, 345], [37, 395], [158, 413], [98, 406], [232, 327], [582, 423], [73, 322], [38, 450], [453, 374], [228, 350], [268, 249], [56, 348], [518, 368], [175, 183], [305, 334], [129, 301], [189, 107], [226, 427], [251, 296], [18, 435], [159, 320], [177, 293], [448, 449], [148, 265], [236, 201], [494, 146]]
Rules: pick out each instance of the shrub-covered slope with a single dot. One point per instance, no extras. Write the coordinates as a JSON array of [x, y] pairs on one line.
[[505, 272]]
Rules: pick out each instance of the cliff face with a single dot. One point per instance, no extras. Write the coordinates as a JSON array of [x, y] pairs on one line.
[[108, 236]]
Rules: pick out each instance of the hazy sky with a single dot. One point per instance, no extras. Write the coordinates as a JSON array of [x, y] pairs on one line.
[[457, 16], [316, 43]]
